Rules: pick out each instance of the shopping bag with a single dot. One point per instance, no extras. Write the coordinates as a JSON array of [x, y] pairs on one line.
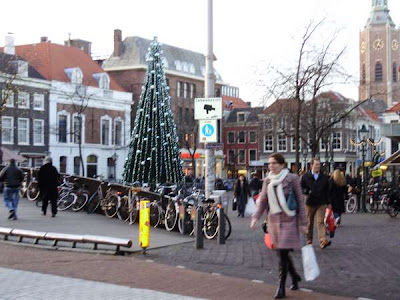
[[329, 221], [310, 265], [268, 241], [234, 204]]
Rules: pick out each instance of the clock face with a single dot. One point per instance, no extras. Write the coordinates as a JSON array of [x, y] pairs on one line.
[[378, 44], [395, 45], [363, 47]]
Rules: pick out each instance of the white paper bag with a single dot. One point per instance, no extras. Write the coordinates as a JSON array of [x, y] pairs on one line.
[[310, 265]]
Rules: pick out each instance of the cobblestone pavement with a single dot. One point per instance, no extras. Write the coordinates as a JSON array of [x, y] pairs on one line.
[[122, 271], [363, 260], [30, 217], [23, 285]]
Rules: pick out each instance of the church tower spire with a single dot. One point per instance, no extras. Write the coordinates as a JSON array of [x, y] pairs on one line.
[[380, 14]]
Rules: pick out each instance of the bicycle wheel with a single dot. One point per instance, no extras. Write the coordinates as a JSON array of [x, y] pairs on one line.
[[33, 192], [22, 192], [210, 228], [384, 203], [110, 205], [392, 211], [189, 225], [93, 203], [228, 227], [81, 201], [171, 216], [155, 214], [66, 202], [123, 209], [351, 205], [371, 205], [134, 212]]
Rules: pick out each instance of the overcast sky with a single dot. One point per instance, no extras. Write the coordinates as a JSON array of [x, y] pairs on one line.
[[247, 34]]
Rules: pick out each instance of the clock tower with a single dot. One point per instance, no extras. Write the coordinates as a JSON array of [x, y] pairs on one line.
[[380, 56]]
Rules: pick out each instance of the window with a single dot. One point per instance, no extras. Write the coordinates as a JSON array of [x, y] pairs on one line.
[[282, 122], [118, 133], [77, 131], [7, 129], [253, 137], [282, 143], [37, 162], [165, 62], [38, 101], [7, 98], [178, 89], [187, 115], [253, 154], [23, 131], [241, 138], [185, 90], [337, 141], [268, 123], [63, 164], [231, 137], [105, 132], [110, 169], [104, 82], [38, 132], [394, 72], [192, 90], [231, 157], [268, 143], [378, 72], [178, 65], [62, 129], [323, 143], [294, 144], [23, 100], [192, 69], [91, 166], [363, 75], [77, 165], [180, 115], [240, 117], [241, 156], [77, 76]]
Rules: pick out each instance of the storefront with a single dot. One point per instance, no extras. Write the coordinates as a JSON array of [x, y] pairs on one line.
[[200, 163]]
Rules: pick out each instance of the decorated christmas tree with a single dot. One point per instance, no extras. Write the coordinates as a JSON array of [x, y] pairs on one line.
[[154, 157]]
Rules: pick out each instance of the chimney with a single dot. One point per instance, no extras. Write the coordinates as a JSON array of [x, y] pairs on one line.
[[43, 39], [9, 47], [117, 42]]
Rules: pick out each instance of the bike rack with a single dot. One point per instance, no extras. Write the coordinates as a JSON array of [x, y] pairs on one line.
[[73, 238]]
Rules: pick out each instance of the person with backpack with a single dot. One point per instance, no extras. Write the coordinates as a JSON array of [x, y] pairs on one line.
[[12, 177]]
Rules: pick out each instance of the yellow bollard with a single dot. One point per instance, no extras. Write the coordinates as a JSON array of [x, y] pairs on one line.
[[144, 224]]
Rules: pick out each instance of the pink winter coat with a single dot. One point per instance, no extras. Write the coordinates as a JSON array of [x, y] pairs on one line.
[[284, 230]]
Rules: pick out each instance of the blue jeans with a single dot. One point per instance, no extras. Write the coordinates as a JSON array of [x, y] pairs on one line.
[[11, 198]]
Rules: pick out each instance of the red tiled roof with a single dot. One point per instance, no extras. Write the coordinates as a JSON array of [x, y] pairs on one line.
[[236, 102], [51, 60], [281, 105], [372, 115], [394, 108]]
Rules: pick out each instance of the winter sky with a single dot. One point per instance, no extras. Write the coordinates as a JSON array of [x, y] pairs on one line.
[[247, 34]]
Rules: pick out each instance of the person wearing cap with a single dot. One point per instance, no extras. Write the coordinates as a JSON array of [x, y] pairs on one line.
[[12, 177], [48, 179]]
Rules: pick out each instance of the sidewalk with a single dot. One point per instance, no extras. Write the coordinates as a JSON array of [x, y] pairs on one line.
[[121, 271]]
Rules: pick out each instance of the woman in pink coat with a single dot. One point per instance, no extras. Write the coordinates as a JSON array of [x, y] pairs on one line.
[[284, 224]]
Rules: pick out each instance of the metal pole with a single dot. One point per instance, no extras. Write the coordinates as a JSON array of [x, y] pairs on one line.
[[221, 226], [199, 243], [209, 93], [364, 189]]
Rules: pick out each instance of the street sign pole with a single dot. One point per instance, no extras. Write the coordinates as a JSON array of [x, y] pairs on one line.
[[209, 92]]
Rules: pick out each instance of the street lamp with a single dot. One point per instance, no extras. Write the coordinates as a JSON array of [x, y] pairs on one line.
[[363, 136], [304, 151]]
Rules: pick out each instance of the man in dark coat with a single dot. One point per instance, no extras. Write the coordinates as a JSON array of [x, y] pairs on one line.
[[12, 177], [255, 185], [241, 193], [48, 180], [316, 187]]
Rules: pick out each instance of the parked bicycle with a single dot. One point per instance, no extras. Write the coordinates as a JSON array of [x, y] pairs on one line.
[[33, 192], [211, 220]]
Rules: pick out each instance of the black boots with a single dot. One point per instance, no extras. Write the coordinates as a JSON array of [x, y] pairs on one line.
[[295, 277], [283, 270]]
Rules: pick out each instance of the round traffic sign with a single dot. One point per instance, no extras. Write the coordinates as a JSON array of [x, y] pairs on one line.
[[208, 130]]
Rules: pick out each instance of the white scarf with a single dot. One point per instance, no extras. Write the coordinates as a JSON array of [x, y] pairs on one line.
[[276, 181]]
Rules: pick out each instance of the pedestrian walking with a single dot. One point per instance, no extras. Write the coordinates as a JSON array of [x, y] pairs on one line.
[[48, 180], [12, 177], [242, 192], [337, 194], [284, 225], [316, 187], [255, 185]]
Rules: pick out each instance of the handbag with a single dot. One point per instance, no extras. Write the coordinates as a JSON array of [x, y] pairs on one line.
[[329, 222], [268, 241], [291, 200], [234, 204], [310, 265]]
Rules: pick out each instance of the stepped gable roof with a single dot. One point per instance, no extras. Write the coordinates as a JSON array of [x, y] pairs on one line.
[[51, 60], [135, 49], [230, 103], [251, 114], [7, 66]]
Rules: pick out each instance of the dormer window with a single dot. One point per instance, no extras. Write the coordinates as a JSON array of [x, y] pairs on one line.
[[178, 65], [75, 75], [192, 69], [185, 67], [240, 117], [103, 80], [165, 62]]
